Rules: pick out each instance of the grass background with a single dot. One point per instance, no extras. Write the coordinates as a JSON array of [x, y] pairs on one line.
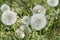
[[24, 8]]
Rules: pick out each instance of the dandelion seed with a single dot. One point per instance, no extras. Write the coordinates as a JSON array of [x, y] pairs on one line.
[[38, 9], [9, 17], [5, 7], [52, 3], [38, 21]]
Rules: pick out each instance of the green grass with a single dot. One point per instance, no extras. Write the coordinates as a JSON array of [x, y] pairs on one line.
[[23, 8]]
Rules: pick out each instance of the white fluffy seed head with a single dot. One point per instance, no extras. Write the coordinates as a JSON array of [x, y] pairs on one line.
[[38, 21], [9, 17], [5, 7], [19, 34], [38, 9], [26, 20], [52, 3]]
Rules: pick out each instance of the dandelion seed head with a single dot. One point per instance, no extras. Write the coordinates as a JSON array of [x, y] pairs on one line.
[[5, 7], [38, 9], [38, 22], [52, 3], [26, 20], [9, 17]]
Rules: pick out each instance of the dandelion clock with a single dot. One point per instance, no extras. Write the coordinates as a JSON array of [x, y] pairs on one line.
[[5, 7], [9, 17], [26, 20], [38, 9], [19, 34], [52, 3], [38, 22]]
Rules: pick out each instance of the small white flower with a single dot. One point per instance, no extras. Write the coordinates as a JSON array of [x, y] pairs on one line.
[[5, 7], [26, 20], [19, 34], [38, 9], [8, 17], [38, 21], [52, 3]]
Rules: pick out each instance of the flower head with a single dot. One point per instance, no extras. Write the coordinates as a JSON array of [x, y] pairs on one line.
[[38, 21], [26, 20], [38, 9], [19, 34], [9, 17], [5, 7], [52, 3]]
